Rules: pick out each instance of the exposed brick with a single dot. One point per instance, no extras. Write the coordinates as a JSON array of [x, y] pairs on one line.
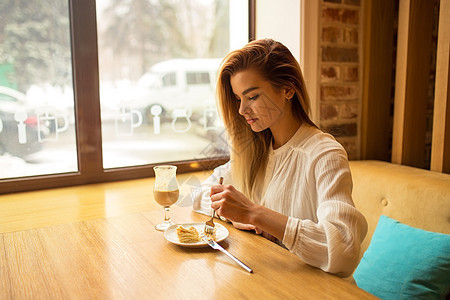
[[341, 130], [350, 35], [350, 16], [330, 73], [331, 34], [350, 73], [349, 111], [340, 74], [328, 112], [353, 2], [331, 15], [345, 16], [337, 54], [349, 145], [344, 92]]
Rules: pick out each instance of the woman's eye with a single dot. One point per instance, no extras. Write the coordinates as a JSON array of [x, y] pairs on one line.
[[254, 97]]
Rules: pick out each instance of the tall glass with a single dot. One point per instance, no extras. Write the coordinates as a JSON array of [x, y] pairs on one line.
[[165, 191]]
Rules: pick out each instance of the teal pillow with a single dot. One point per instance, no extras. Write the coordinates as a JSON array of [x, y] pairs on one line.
[[403, 262]]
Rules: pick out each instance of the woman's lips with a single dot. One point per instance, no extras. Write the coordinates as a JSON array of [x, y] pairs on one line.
[[251, 121]]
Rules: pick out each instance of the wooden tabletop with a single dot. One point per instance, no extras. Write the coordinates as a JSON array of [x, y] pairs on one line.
[[99, 242]]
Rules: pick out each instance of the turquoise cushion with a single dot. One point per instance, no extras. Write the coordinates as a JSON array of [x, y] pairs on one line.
[[403, 262]]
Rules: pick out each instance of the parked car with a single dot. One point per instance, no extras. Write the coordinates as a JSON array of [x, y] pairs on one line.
[[18, 125], [11, 143], [176, 85]]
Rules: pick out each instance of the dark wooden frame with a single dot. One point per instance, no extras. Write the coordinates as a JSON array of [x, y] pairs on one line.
[[413, 67], [378, 49], [87, 114], [412, 73]]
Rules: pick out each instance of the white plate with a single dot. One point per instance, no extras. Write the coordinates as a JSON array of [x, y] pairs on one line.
[[171, 234]]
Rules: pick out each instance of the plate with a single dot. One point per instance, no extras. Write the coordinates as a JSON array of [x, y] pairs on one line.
[[171, 234]]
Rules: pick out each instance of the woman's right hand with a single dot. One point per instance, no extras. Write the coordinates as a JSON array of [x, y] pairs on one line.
[[238, 209], [231, 204]]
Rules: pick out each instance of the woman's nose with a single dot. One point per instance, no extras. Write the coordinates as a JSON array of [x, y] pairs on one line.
[[244, 107]]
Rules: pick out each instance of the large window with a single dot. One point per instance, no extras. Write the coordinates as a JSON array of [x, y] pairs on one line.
[[37, 132], [103, 90]]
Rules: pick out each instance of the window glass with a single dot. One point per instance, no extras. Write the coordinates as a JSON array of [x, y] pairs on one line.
[[158, 62], [197, 78], [169, 79], [37, 132]]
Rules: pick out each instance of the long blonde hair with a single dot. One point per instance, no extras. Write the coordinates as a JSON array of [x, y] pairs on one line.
[[249, 149]]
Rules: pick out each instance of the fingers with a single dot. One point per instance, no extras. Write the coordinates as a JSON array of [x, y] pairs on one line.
[[219, 192], [218, 188], [222, 196], [216, 205], [228, 202], [243, 226]]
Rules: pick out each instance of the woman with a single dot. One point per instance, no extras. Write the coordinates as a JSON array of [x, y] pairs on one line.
[[286, 179]]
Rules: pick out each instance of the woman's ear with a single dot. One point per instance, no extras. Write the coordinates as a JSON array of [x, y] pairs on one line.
[[289, 92]]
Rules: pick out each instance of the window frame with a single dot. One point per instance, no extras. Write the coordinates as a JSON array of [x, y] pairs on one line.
[[83, 29]]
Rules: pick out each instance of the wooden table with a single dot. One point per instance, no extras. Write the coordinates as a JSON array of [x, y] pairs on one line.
[[99, 242]]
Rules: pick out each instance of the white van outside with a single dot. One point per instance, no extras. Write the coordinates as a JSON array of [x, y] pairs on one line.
[[178, 87]]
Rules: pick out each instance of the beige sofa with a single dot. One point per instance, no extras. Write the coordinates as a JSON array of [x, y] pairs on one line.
[[416, 197]]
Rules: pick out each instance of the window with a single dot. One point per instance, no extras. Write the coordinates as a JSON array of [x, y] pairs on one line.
[[75, 95], [197, 78], [172, 47], [37, 132], [169, 79]]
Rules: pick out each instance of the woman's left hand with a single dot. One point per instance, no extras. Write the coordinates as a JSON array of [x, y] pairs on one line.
[[243, 226], [231, 204]]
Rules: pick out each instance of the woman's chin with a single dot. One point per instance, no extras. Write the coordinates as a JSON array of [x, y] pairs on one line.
[[257, 128]]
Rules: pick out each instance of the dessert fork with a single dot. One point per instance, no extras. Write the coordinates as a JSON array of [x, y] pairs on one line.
[[209, 225]]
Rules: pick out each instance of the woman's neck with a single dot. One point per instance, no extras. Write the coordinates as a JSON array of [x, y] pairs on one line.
[[283, 132]]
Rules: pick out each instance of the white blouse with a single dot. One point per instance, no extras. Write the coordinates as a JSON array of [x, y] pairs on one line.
[[308, 179]]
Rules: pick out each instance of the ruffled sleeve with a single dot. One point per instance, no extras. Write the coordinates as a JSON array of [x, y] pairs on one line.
[[332, 243]]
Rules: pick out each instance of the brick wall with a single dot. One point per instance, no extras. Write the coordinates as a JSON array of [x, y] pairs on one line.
[[340, 71]]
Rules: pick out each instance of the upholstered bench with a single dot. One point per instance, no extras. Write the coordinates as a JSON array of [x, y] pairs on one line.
[[411, 208]]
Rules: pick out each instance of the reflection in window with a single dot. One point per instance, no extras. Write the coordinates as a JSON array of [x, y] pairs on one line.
[[169, 79], [37, 134], [197, 78], [158, 62]]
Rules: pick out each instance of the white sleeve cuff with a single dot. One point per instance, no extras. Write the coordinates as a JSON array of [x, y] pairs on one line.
[[290, 232]]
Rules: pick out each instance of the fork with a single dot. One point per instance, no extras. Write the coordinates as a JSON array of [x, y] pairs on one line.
[[209, 225]]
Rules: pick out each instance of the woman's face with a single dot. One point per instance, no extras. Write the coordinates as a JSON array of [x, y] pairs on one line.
[[261, 105]]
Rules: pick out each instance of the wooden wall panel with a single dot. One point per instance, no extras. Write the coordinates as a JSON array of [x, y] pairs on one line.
[[440, 150], [377, 82], [412, 77]]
